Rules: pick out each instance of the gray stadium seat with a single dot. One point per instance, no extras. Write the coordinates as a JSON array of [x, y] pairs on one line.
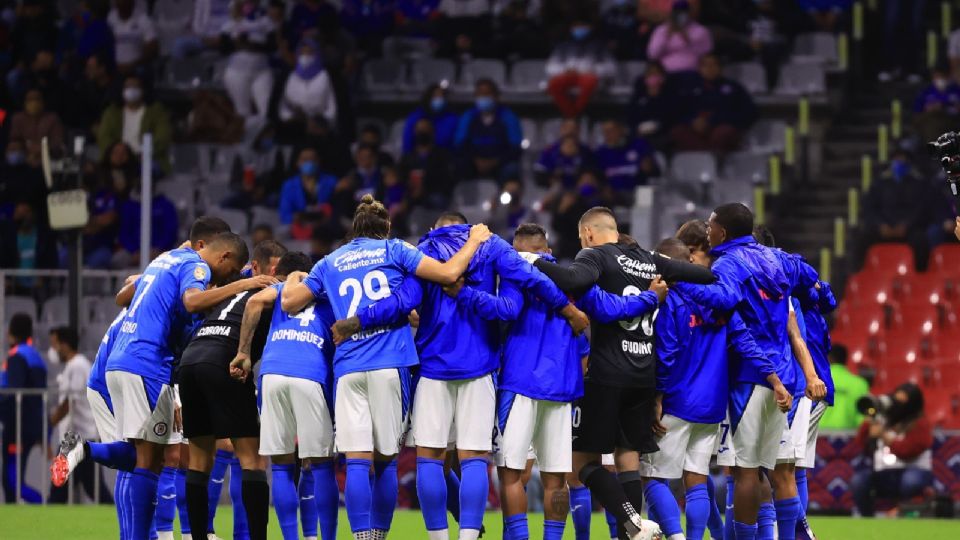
[[394, 138], [18, 304], [482, 68], [406, 48], [767, 136], [186, 158], [694, 167], [754, 168], [528, 76], [91, 336], [263, 215], [801, 79], [421, 220], [56, 311], [530, 133], [102, 309], [237, 219], [749, 74], [188, 73], [181, 190], [384, 75], [627, 73], [433, 70], [820, 47], [550, 131], [474, 193]]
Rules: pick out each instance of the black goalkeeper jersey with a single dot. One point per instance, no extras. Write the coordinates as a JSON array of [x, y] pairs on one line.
[[217, 339]]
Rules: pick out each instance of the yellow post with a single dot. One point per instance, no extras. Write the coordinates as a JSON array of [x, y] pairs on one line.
[[839, 237], [825, 260], [883, 141], [843, 52], [803, 121], [853, 206], [758, 205], [858, 21], [946, 24], [896, 118], [775, 174], [866, 172], [790, 148], [931, 49]]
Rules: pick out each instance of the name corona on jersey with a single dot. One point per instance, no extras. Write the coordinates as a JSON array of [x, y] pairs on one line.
[[636, 268], [636, 347], [359, 258], [214, 331], [303, 336]]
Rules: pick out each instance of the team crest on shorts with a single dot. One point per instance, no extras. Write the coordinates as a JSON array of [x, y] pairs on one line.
[[160, 429], [199, 272]]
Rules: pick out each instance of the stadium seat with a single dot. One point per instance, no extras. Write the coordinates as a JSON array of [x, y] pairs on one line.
[[919, 289], [260, 215], [945, 260], [767, 136], [530, 133], [528, 76], [181, 190], [816, 47], [942, 407], [400, 48], [482, 68], [18, 304], [421, 220], [475, 193], [186, 158], [56, 311], [801, 80], [189, 73], [750, 75], [868, 288], [384, 75], [433, 70], [693, 167], [550, 131], [237, 219], [91, 336], [746, 166], [627, 73], [890, 259]]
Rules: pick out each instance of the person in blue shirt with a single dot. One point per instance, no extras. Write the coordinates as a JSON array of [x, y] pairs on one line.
[[562, 162], [24, 368], [936, 106], [375, 362], [625, 162], [434, 106], [753, 282], [488, 136], [303, 194]]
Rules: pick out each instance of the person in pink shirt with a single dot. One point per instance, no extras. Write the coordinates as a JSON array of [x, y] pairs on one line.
[[679, 42]]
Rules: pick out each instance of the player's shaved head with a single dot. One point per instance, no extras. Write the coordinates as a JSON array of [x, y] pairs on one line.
[[204, 228], [450, 217], [266, 255], [531, 237], [293, 261], [599, 217], [674, 248], [598, 226]]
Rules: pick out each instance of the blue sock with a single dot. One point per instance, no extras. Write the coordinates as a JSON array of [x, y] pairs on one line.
[[715, 521], [474, 486], [432, 492], [744, 531], [729, 532], [697, 510], [453, 494], [612, 524], [358, 494], [788, 510], [802, 493], [384, 495], [285, 500], [182, 501], [581, 509], [166, 499], [142, 498], [220, 464], [516, 527], [241, 531], [660, 502], [308, 503], [553, 530], [766, 518], [119, 455], [327, 496], [120, 500]]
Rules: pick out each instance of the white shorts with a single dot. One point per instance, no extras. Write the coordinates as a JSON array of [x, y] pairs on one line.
[[793, 442], [607, 460], [371, 410], [809, 458], [469, 405], [752, 440], [685, 447], [144, 409], [294, 413], [535, 427], [103, 417]]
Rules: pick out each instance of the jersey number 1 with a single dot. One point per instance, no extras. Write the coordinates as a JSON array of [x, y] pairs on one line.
[[357, 291]]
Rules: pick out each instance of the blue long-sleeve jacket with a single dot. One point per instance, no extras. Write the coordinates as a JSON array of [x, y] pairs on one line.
[[816, 304], [444, 128], [293, 199], [500, 139], [694, 345], [23, 368], [454, 342]]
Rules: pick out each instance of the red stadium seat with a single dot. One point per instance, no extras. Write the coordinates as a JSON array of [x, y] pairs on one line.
[[868, 287], [942, 407], [862, 349], [926, 288], [894, 371], [890, 259], [945, 260]]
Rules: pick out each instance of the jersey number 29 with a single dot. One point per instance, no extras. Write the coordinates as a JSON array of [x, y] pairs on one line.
[[375, 287]]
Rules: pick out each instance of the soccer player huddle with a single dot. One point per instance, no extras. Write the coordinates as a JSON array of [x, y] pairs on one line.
[[714, 343]]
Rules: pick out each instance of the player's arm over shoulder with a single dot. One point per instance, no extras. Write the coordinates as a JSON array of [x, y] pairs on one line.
[[579, 276]]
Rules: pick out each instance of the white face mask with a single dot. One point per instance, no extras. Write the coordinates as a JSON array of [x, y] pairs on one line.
[[53, 356], [132, 94]]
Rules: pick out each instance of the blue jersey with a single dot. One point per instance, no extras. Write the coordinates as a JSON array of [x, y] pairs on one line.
[[300, 345], [355, 276], [98, 373], [622, 166], [693, 346], [157, 321], [816, 304]]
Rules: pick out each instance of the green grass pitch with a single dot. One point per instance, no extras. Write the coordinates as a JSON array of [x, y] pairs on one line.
[[99, 523]]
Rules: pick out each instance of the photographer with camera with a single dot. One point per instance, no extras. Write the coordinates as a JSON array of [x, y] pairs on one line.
[[900, 439]]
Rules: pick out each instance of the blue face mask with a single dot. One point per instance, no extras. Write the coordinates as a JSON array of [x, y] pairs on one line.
[[900, 169], [15, 158], [580, 33], [308, 168], [588, 190], [437, 104], [485, 103]]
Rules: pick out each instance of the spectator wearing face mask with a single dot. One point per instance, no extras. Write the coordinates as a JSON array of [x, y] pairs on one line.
[[32, 124], [371, 135], [561, 163], [427, 169], [650, 106], [304, 195], [248, 35], [621, 29], [625, 162], [128, 122], [488, 136], [679, 42], [936, 107], [136, 37], [308, 95], [435, 107], [576, 68]]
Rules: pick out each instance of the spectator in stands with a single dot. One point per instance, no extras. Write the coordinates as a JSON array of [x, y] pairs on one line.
[[427, 170], [305, 197], [261, 232], [40, 73], [826, 14], [903, 29], [365, 177], [34, 31], [894, 210], [304, 18], [767, 39], [656, 12], [625, 162], [91, 94], [848, 388], [323, 242], [308, 96], [84, 35], [679, 42], [936, 107], [137, 115], [517, 34], [650, 107], [24, 369], [621, 29], [248, 77], [136, 38], [203, 32], [488, 136], [32, 124], [20, 181], [900, 442], [568, 209], [119, 173], [371, 135], [73, 413], [716, 110], [561, 163], [556, 16], [417, 18], [369, 21], [164, 227], [435, 107], [26, 242], [576, 68]]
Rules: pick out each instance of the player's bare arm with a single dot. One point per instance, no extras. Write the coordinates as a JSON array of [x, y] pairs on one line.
[[448, 272], [196, 300], [125, 295], [241, 364], [295, 294], [816, 389], [344, 328], [782, 396]]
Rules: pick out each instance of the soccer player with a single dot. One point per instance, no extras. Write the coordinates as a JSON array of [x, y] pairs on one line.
[[692, 344], [375, 362], [752, 282], [617, 408]]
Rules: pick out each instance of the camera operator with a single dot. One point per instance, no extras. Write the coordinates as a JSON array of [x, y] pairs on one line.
[[900, 438]]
